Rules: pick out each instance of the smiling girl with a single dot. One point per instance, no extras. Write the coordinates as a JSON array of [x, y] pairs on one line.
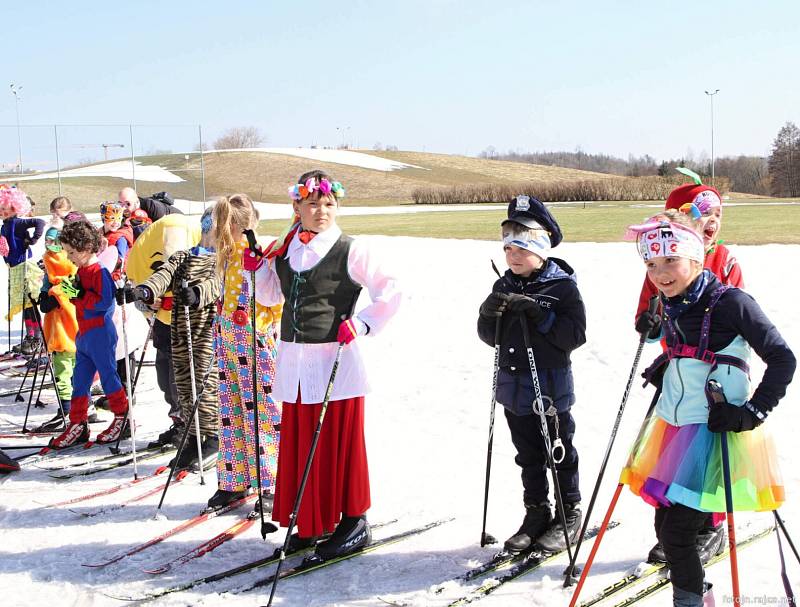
[[675, 463]]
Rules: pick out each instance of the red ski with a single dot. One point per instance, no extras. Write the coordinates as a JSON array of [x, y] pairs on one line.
[[108, 491], [192, 522], [231, 532], [178, 478]]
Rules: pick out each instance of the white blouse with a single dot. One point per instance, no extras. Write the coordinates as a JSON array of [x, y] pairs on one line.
[[308, 366]]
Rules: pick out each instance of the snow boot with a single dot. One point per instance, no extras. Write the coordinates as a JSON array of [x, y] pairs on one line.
[[73, 435], [711, 542], [117, 427], [171, 436], [222, 498], [656, 554], [55, 424], [537, 518], [553, 539], [30, 345], [7, 464], [351, 534]]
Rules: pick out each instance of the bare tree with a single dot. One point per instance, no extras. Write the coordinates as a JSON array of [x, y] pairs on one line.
[[784, 162], [240, 137]]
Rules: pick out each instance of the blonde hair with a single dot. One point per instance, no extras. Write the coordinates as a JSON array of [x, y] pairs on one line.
[[238, 209], [60, 203]]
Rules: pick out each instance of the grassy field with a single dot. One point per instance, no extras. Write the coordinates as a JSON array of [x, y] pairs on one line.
[[746, 224]]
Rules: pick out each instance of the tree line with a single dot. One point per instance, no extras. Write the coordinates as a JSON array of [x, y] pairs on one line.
[[775, 175]]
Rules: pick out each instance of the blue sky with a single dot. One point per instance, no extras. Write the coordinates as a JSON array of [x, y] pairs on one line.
[[437, 75]]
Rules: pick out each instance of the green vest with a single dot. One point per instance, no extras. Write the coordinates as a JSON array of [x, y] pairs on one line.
[[319, 299]]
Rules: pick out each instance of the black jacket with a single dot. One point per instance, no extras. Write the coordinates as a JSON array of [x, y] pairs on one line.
[[158, 205], [563, 330], [737, 313]]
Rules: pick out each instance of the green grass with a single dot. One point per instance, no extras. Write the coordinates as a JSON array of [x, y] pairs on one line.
[[746, 224]]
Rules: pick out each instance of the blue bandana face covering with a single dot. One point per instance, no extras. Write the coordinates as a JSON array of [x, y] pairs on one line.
[[539, 246]]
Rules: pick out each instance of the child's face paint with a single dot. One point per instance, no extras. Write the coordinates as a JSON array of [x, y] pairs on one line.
[[112, 226], [671, 275], [522, 261]]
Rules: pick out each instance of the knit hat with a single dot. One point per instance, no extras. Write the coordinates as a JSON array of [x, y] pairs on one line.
[[531, 213]]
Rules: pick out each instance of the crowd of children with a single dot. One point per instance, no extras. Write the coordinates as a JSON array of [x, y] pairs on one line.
[[269, 328]]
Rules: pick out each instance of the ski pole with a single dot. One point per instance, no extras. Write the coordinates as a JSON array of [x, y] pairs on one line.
[[7, 448], [487, 538], [779, 522], [131, 396], [184, 436], [33, 387], [568, 580], [254, 378], [37, 317], [607, 519], [22, 300], [306, 472], [8, 316], [186, 313], [539, 404], [718, 396]]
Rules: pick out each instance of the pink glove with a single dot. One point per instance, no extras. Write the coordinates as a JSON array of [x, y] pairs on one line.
[[3, 246], [347, 332], [252, 261]]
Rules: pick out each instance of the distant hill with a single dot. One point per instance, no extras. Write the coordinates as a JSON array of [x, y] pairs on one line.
[[265, 176]]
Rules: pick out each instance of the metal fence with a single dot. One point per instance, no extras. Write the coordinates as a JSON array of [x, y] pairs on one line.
[[90, 163]]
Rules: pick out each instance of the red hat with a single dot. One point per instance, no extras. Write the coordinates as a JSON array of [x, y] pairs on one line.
[[690, 193]]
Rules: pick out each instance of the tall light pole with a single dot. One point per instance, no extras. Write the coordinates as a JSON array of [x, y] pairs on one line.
[[711, 98], [15, 90]]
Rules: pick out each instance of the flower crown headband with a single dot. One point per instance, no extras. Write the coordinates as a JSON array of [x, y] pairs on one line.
[[301, 191]]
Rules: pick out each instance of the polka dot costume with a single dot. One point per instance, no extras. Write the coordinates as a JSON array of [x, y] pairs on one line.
[[234, 347]]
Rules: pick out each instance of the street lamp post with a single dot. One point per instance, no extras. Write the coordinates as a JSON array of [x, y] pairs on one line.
[[711, 98], [15, 90]]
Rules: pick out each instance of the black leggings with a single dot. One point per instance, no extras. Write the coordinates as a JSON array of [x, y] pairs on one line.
[[677, 528]]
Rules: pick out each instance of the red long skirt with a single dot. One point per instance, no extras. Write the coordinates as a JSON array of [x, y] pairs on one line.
[[338, 483]]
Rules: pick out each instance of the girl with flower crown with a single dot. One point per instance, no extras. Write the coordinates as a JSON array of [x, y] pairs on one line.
[[318, 273], [676, 462]]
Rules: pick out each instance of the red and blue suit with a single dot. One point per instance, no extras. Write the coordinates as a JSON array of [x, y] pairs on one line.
[[96, 343]]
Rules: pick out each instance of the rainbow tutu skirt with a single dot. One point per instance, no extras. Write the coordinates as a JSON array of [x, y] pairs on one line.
[[683, 465]]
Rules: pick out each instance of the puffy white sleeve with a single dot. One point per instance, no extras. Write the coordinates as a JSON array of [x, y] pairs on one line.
[[268, 286], [381, 284]]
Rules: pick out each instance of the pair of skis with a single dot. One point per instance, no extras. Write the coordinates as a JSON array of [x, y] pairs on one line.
[[657, 575], [510, 567], [302, 568]]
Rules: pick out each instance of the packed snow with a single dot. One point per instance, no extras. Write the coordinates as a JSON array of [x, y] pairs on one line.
[[123, 169], [427, 430], [347, 157]]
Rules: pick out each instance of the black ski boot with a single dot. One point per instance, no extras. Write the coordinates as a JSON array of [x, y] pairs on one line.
[[269, 501], [30, 345], [553, 539], [172, 436], [222, 498], [351, 534], [209, 450], [656, 554], [537, 518], [711, 542], [188, 459], [56, 424], [297, 543]]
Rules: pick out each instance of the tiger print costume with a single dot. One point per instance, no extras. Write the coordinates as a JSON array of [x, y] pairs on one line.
[[199, 270]]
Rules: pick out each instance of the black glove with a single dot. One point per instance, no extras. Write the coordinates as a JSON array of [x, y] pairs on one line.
[[187, 296], [494, 305], [27, 241], [724, 417], [48, 303], [124, 294], [144, 294], [40, 264], [521, 304], [649, 324]]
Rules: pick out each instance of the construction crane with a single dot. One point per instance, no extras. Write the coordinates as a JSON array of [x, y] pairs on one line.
[[105, 147]]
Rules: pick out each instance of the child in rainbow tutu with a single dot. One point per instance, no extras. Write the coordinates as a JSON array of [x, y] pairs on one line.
[[675, 463]]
